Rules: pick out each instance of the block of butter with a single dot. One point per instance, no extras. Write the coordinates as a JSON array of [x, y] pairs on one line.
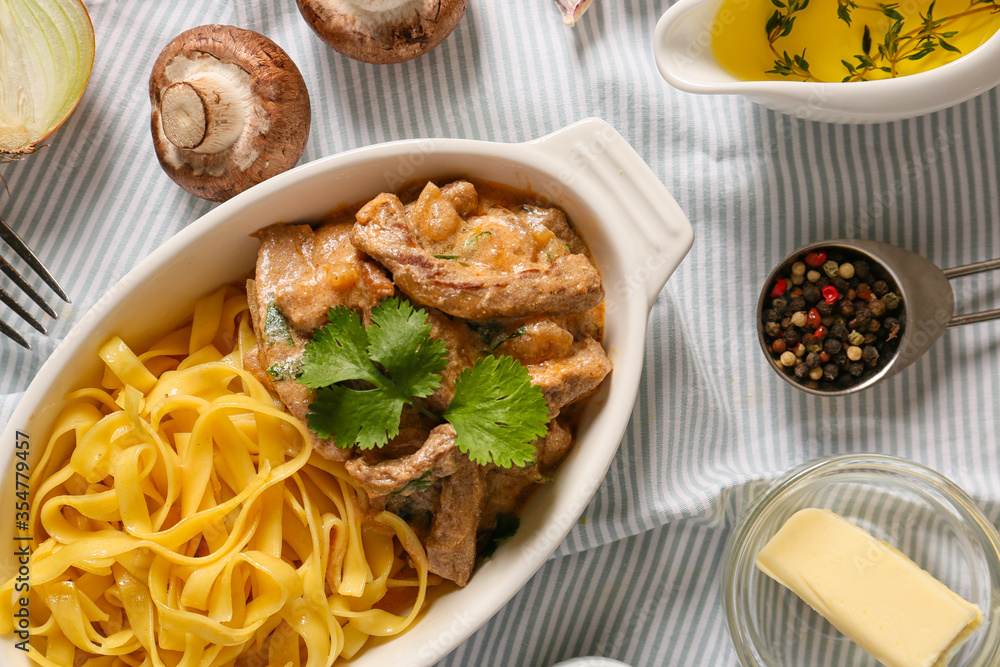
[[876, 596]]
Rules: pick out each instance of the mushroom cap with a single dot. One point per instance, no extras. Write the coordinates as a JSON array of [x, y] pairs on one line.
[[279, 116], [410, 31]]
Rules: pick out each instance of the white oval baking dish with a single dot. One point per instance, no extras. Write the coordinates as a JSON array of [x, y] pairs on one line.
[[635, 229]]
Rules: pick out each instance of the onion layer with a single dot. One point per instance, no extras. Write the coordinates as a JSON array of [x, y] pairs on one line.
[[572, 10], [46, 56]]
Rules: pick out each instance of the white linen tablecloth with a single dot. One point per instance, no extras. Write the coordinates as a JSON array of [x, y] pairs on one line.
[[638, 578]]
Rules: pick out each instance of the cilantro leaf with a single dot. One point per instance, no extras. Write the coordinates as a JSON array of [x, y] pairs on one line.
[[399, 339], [338, 351], [367, 418], [497, 412]]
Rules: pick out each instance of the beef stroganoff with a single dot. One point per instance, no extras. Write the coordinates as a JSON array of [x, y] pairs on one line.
[[183, 511]]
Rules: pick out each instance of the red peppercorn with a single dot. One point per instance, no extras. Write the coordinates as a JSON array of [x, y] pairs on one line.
[[830, 294], [779, 287], [813, 318], [820, 333], [816, 259], [824, 356]]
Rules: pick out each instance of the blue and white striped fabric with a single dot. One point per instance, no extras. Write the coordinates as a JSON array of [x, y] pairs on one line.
[[638, 578]]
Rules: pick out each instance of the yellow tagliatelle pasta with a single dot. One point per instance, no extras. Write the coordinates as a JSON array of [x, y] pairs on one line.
[[181, 519]]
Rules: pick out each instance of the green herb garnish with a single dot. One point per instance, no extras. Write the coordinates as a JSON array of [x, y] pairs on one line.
[[446, 256], [475, 237], [364, 377], [506, 527], [417, 485], [276, 329], [285, 370]]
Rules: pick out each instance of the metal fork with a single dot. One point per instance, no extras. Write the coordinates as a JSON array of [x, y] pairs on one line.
[[17, 245]]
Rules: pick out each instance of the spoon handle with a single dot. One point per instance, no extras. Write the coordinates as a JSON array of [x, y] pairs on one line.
[[971, 318], [968, 270]]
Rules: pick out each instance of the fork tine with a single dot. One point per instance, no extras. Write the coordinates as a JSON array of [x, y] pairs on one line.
[[15, 242], [13, 335], [9, 301], [11, 273]]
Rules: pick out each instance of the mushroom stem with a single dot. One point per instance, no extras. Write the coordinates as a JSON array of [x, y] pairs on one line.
[[205, 114]]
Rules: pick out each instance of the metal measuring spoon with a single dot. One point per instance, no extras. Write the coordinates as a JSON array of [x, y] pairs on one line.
[[925, 292]]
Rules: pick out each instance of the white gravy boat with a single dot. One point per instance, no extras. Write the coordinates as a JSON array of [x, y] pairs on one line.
[[683, 50]]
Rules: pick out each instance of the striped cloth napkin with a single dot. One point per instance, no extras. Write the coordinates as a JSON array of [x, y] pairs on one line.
[[639, 578]]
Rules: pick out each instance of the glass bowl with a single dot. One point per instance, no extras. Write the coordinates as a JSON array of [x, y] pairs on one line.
[[915, 509]]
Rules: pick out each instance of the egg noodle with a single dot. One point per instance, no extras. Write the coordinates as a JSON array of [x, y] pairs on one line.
[[180, 518]]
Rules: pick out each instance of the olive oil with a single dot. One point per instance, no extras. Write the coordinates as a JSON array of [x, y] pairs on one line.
[[741, 43]]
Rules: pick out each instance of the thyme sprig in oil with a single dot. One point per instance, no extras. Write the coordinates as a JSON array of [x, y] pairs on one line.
[[884, 55]]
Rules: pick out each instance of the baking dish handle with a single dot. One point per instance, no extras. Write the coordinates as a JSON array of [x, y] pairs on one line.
[[597, 160]]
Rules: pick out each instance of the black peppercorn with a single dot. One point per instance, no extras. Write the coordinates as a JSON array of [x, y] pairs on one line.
[[772, 329], [822, 282], [856, 368], [846, 308], [831, 346], [839, 331], [877, 308], [880, 288], [811, 293], [801, 371], [780, 304], [830, 372], [861, 320], [841, 285], [874, 326], [812, 360], [792, 338], [823, 308], [869, 338], [771, 315], [797, 303], [861, 270], [869, 354]]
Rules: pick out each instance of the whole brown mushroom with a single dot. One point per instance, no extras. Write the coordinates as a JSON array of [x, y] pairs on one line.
[[382, 31], [229, 110]]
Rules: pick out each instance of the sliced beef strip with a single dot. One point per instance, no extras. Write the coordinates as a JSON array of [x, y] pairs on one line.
[[437, 458], [451, 544], [573, 377], [464, 347], [306, 272], [301, 273], [508, 488], [538, 339], [277, 354], [414, 429], [555, 220], [570, 283]]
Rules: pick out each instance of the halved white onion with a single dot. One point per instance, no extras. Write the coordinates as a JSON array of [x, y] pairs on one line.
[[46, 56]]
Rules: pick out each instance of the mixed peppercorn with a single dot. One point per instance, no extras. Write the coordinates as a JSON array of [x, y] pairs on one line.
[[832, 320]]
